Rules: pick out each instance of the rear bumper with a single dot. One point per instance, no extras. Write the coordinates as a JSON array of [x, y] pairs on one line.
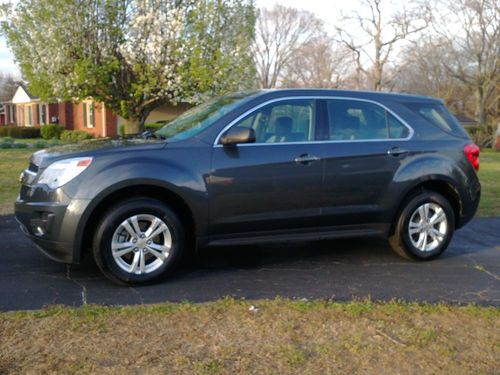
[[470, 203]]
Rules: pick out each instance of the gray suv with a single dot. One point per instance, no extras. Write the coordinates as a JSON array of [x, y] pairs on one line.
[[255, 167]]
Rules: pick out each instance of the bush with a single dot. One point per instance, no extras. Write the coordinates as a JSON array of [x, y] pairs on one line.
[[482, 135], [41, 144], [74, 136], [19, 132], [5, 145], [7, 140], [20, 145], [121, 131], [50, 131]]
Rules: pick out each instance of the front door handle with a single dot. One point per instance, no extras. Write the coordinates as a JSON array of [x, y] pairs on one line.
[[396, 151], [306, 159]]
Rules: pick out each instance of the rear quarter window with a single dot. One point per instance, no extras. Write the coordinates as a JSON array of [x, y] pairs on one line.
[[437, 115]]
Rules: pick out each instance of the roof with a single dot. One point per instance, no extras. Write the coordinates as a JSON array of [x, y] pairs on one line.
[[27, 92], [374, 95]]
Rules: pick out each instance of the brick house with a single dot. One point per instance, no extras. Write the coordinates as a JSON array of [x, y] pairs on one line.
[[25, 109]]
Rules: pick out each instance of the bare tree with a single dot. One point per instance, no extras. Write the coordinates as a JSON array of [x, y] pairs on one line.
[[373, 37], [319, 63], [425, 73], [279, 33], [471, 29], [8, 86]]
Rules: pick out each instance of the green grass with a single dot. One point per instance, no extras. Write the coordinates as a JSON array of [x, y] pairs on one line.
[[12, 163], [489, 175], [226, 337]]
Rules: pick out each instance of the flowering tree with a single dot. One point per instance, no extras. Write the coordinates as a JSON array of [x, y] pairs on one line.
[[132, 55]]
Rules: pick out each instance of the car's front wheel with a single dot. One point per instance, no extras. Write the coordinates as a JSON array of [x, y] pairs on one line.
[[424, 227], [137, 241]]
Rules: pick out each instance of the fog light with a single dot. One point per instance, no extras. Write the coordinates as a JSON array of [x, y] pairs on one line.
[[39, 231]]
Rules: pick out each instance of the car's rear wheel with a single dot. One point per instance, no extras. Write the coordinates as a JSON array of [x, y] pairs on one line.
[[424, 227], [137, 241]]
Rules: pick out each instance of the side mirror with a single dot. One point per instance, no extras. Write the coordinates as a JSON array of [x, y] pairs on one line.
[[237, 135]]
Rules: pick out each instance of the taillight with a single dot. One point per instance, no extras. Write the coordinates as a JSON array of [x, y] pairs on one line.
[[472, 153]]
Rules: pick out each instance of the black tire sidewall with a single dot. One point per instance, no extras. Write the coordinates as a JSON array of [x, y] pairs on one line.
[[114, 217], [413, 204]]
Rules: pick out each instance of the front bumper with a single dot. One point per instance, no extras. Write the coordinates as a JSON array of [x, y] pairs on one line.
[[40, 221], [52, 226]]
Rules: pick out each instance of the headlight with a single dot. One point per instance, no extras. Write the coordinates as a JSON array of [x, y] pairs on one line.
[[63, 171]]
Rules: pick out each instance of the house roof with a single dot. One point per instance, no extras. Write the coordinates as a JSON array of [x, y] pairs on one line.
[[22, 95]]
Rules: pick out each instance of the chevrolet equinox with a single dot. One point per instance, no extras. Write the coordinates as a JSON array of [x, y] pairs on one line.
[[256, 167]]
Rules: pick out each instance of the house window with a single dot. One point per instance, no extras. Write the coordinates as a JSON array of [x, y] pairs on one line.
[[11, 114], [29, 116], [88, 115], [42, 114]]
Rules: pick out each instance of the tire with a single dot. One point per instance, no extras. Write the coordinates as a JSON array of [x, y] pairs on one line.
[[430, 219], [137, 241]]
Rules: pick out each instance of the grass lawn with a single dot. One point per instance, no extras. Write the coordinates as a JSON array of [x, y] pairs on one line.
[[489, 175], [228, 337], [12, 163]]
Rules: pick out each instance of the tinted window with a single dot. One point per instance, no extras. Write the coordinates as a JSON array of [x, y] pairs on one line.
[[201, 117], [282, 122], [438, 115], [357, 120]]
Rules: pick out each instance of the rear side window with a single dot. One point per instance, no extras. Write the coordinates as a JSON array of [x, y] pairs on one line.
[[437, 115], [358, 120]]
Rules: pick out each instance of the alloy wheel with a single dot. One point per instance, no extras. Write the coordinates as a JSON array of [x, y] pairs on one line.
[[428, 227], [141, 244]]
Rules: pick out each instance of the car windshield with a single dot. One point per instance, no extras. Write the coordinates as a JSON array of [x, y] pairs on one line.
[[197, 119]]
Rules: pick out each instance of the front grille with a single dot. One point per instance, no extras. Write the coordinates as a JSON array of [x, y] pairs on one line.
[[33, 168]]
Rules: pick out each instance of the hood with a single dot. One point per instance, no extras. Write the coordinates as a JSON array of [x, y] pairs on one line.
[[93, 147]]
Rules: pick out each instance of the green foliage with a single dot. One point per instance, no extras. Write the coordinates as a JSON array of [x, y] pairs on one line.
[[50, 131], [132, 55], [40, 144], [121, 130], [19, 132], [74, 136], [7, 140], [154, 126]]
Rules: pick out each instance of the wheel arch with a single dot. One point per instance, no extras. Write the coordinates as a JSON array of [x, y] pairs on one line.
[[439, 185], [110, 198]]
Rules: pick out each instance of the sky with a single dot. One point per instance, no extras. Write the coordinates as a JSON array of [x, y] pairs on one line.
[[328, 10]]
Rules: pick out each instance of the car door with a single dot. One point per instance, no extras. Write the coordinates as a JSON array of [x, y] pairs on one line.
[[273, 183], [365, 147]]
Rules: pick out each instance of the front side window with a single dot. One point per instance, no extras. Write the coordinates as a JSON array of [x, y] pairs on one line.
[[201, 117], [358, 120], [282, 122]]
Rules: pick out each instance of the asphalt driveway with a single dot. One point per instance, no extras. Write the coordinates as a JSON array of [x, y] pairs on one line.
[[342, 270]]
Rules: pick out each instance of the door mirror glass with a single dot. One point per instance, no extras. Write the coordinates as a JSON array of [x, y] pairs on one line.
[[238, 134]]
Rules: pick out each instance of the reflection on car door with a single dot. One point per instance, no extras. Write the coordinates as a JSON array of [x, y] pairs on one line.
[[274, 183], [365, 148]]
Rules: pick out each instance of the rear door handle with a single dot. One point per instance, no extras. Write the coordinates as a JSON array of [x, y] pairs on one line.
[[396, 151], [306, 159]]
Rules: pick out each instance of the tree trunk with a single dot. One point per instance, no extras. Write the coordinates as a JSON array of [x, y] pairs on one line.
[[480, 106], [132, 126]]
